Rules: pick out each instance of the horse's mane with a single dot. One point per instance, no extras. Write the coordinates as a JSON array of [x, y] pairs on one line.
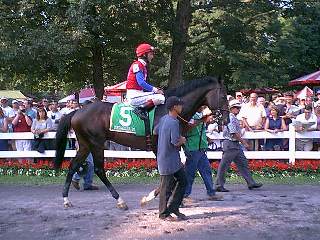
[[190, 86]]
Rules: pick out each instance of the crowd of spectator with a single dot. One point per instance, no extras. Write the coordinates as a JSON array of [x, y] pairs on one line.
[[274, 116], [256, 114], [35, 117]]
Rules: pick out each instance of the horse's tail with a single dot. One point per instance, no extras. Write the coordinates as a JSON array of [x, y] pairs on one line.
[[61, 139]]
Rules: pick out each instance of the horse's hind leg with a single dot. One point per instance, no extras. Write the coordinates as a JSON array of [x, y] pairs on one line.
[[74, 165], [98, 158], [152, 195]]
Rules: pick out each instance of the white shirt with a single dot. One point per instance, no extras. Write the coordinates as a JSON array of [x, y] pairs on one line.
[[55, 117], [65, 111], [253, 114], [313, 119], [213, 134]]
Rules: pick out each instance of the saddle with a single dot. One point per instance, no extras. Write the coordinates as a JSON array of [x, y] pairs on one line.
[[136, 120]]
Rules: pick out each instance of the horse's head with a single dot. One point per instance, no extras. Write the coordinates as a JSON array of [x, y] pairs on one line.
[[208, 91], [216, 100]]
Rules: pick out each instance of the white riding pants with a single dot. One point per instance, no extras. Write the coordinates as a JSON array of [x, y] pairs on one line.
[[138, 98]]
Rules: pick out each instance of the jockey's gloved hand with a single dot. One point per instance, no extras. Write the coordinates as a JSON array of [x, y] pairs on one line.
[[157, 90]]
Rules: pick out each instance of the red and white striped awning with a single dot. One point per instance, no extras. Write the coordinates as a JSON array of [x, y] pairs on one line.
[[117, 89], [310, 79], [304, 93]]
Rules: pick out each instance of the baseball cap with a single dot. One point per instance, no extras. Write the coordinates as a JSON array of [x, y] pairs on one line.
[[173, 101], [14, 101], [3, 98], [234, 103]]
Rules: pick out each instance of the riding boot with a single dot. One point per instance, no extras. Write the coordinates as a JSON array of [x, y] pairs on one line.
[[148, 133], [141, 112]]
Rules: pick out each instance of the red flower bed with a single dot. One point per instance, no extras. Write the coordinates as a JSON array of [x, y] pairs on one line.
[[118, 164], [259, 165], [149, 164]]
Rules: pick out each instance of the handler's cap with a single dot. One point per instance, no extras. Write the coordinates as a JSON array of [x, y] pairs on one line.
[[234, 103], [173, 101]]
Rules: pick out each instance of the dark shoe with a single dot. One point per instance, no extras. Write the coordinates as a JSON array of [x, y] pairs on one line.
[[92, 187], [75, 184], [187, 201], [255, 185], [169, 218], [221, 189], [215, 198], [180, 216]]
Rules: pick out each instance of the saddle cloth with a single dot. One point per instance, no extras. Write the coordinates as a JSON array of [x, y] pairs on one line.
[[123, 119]]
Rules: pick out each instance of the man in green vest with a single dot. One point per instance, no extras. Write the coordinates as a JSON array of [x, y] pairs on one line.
[[197, 160]]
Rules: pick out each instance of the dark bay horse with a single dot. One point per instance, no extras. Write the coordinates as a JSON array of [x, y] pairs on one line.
[[91, 126]]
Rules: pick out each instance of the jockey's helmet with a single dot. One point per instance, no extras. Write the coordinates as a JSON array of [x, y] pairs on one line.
[[143, 49]]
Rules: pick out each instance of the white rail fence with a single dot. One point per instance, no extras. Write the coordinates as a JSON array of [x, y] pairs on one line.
[[291, 155]]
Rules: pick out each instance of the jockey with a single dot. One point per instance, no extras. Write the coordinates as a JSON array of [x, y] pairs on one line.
[[140, 93]]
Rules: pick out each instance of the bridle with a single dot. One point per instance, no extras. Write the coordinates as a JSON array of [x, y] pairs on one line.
[[219, 112]]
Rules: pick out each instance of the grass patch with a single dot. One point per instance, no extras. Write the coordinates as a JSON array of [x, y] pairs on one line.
[[233, 179], [40, 180]]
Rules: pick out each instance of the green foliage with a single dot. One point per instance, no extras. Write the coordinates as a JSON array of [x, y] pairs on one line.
[[46, 47]]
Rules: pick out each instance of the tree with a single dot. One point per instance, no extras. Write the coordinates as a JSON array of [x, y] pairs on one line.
[[180, 40], [74, 43]]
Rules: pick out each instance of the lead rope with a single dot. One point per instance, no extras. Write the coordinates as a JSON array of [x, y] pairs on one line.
[[182, 119]]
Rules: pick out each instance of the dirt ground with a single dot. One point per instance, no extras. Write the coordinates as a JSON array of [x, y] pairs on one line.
[[273, 212]]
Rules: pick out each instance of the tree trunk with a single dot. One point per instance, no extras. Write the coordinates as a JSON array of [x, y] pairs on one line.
[[180, 40], [97, 58]]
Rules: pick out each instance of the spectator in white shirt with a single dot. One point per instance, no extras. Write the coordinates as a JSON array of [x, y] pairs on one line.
[[213, 135], [67, 109], [253, 114], [306, 144], [54, 115], [7, 110]]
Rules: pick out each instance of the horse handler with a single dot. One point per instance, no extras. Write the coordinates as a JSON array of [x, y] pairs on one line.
[[197, 160], [232, 151], [172, 175]]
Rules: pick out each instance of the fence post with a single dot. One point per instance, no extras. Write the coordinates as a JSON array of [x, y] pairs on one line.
[[292, 144]]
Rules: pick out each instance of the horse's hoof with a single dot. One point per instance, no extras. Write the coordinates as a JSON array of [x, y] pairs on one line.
[[143, 202], [122, 206], [67, 205]]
